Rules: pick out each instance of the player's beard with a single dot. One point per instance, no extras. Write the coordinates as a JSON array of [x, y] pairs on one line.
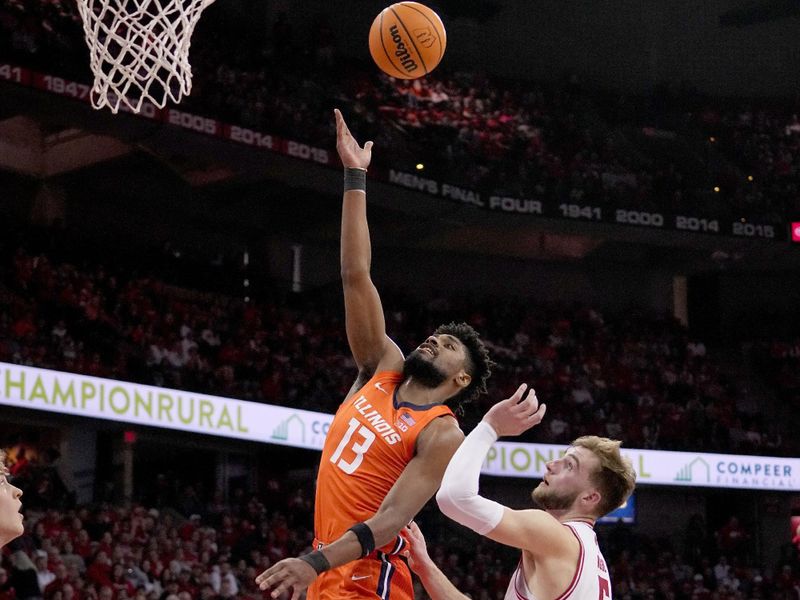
[[423, 371], [550, 499]]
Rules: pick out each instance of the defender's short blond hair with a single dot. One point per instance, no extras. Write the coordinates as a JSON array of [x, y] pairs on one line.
[[615, 478], [3, 466]]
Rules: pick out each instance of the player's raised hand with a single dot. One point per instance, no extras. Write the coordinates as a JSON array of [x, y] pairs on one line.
[[290, 573], [350, 152], [516, 414]]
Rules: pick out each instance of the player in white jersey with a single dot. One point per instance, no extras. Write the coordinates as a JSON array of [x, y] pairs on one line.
[[560, 556]]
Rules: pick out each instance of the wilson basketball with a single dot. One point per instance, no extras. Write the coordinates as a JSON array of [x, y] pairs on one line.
[[407, 40]]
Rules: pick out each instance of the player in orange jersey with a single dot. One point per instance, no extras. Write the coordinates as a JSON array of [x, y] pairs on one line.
[[392, 437]]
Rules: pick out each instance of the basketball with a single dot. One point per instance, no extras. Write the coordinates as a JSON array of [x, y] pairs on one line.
[[407, 40]]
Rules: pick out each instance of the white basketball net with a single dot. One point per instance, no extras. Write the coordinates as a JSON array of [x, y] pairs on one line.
[[139, 50]]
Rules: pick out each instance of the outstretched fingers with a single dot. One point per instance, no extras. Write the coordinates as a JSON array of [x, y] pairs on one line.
[[342, 130], [536, 417], [524, 404], [269, 577], [516, 397]]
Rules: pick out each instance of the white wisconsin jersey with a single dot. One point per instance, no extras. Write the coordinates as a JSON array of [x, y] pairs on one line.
[[590, 581]]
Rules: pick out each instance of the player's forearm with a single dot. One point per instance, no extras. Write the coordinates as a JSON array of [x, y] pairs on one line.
[[384, 527], [388, 522], [344, 550], [436, 584], [458, 496], [356, 249]]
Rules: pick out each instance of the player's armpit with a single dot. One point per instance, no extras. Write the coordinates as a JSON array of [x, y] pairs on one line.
[[535, 531], [419, 481]]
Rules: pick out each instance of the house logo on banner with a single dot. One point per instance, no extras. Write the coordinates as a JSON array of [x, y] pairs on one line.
[[295, 430], [287, 430], [686, 472]]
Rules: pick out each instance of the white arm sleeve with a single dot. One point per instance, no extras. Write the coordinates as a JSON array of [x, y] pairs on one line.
[[458, 496]]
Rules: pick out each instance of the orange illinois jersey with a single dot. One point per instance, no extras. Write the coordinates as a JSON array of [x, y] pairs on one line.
[[369, 443]]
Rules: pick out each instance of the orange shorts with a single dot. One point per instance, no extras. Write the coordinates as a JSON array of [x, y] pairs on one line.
[[378, 575]]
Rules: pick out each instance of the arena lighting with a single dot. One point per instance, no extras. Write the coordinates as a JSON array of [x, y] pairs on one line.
[[796, 232], [712, 139], [716, 188], [420, 166], [749, 178]]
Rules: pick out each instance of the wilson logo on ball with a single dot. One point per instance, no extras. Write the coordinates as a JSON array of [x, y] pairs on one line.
[[401, 52]]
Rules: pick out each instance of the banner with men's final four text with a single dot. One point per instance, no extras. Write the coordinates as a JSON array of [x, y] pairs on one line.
[[137, 404]]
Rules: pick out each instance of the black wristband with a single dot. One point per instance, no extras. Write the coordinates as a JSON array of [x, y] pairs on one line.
[[355, 178], [317, 561], [365, 538]]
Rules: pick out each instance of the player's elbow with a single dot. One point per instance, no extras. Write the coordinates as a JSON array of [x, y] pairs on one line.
[[355, 273], [471, 510], [448, 500], [387, 524]]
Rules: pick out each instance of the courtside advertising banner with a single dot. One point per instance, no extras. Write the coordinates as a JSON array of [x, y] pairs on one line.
[[696, 469], [108, 399], [93, 397]]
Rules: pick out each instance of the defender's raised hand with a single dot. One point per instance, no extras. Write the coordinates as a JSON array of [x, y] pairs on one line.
[[350, 152], [516, 414], [417, 551]]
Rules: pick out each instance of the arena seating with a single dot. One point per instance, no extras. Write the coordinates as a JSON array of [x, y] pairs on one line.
[[157, 553]]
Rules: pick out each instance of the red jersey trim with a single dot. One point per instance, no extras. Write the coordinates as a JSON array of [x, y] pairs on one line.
[[519, 573], [588, 522], [573, 584]]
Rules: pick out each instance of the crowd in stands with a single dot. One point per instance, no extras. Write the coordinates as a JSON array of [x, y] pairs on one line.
[[143, 552], [777, 363], [637, 377], [557, 142], [763, 145], [112, 553], [34, 468]]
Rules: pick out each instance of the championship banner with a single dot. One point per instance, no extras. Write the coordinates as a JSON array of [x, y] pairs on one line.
[[583, 210], [108, 399]]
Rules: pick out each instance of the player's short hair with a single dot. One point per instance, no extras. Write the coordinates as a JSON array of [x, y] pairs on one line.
[[479, 365], [615, 478], [3, 466]]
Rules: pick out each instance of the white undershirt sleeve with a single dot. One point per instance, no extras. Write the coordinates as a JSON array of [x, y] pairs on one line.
[[458, 496]]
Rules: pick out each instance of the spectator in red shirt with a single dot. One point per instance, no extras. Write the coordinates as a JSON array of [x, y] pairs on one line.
[[99, 571]]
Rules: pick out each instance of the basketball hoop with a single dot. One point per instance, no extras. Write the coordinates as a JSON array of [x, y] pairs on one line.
[[139, 50]]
